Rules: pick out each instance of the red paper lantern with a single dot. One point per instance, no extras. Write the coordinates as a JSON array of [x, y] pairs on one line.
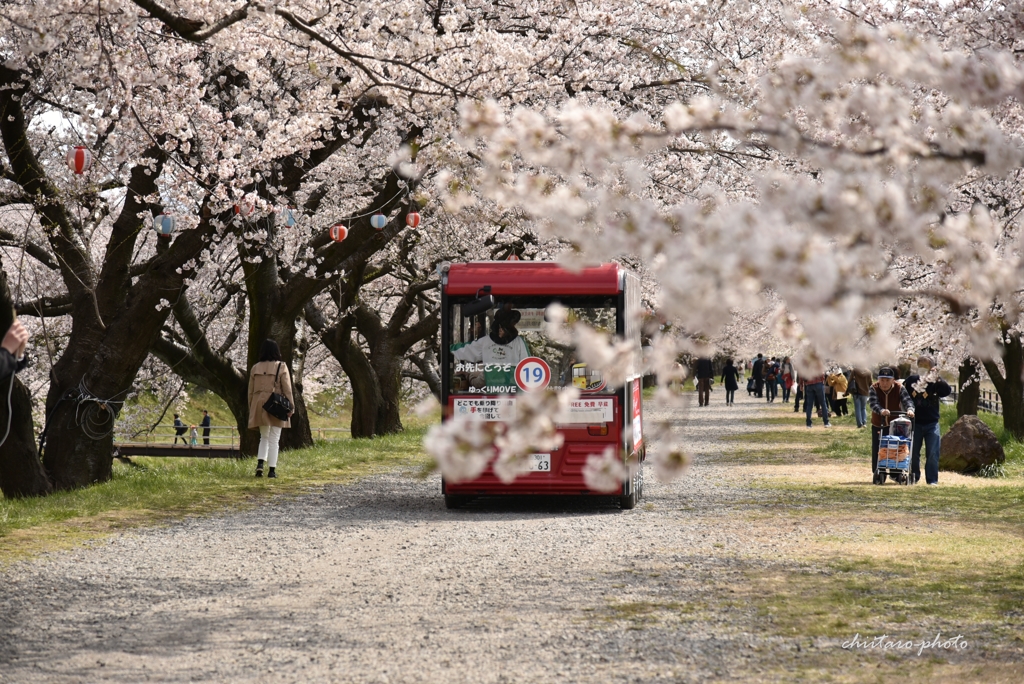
[[338, 232], [412, 219], [79, 159], [244, 209]]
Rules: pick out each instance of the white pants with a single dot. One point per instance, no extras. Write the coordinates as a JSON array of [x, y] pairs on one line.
[[269, 437]]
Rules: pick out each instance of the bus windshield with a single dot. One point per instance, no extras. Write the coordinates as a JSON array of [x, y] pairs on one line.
[[487, 349]]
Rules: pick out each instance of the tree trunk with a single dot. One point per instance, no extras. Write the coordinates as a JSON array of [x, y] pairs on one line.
[[366, 390], [1011, 387], [969, 394], [388, 370], [268, 320]]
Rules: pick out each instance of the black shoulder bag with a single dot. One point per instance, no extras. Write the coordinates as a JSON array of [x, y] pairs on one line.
[[278, 405]]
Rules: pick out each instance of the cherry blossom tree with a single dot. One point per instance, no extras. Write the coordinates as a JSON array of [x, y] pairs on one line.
[[862, 133], [206, 125], [808, 160]]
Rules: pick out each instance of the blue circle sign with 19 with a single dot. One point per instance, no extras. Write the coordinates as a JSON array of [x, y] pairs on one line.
[[533, 373]]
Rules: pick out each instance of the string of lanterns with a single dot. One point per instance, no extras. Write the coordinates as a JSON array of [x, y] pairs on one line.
[[79, 160]]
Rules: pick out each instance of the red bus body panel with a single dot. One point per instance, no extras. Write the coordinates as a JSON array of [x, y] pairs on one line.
[[566, 474], [531, 278]]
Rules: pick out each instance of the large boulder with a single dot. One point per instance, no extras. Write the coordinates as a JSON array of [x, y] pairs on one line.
[[969, 446]]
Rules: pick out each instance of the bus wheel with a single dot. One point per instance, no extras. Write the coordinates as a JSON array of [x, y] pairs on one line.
[[628, 501], [455, 500]]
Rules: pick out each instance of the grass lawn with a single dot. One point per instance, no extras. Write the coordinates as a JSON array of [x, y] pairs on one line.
[[874, 560], [151, 490]]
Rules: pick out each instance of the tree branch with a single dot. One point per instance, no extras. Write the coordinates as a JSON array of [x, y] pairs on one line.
[[191, 29]]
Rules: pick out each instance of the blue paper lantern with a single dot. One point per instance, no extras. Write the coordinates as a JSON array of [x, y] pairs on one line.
[[378, 221], [287, 217], [164, 225]]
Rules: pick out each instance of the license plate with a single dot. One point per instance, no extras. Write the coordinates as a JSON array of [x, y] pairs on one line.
[[540, 463]]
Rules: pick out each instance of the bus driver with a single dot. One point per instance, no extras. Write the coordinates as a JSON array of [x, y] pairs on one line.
[[500, 352]]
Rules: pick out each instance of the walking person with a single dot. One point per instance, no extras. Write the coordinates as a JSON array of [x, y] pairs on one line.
[[771, 372], [757, 372], [814, 393], [731, 382], [705, 373], [268, 375], [786, 378], [838, 384], [860, 384], [179, 430], [925, 390], [885, 397], [205, 424]]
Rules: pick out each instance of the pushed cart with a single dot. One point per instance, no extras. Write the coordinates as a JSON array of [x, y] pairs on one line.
[[894, 452]]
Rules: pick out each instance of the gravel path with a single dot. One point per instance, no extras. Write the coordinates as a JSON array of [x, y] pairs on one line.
[[377, 582]]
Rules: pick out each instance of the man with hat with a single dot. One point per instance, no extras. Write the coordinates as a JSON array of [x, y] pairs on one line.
[[500, 351], [885, 397], [925, 389]]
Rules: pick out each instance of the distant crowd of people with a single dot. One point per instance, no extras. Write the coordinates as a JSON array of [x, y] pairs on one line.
[[917, 396]]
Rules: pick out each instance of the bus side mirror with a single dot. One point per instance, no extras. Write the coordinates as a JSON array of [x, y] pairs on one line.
[[480, 304]]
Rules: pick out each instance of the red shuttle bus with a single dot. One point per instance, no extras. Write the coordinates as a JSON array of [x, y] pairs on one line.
[[483, 305]]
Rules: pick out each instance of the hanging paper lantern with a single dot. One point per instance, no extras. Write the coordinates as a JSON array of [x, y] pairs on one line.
[[338, 232], [512, 257], [164, 225], [287, 217], [412, 219], [79, 159], [378, 221]]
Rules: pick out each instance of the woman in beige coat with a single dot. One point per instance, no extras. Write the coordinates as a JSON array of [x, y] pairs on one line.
[[269, 375]]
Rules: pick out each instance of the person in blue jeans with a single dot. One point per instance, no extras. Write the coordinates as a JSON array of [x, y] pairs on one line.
[[814, 393], [860, 385], [926, 389]]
